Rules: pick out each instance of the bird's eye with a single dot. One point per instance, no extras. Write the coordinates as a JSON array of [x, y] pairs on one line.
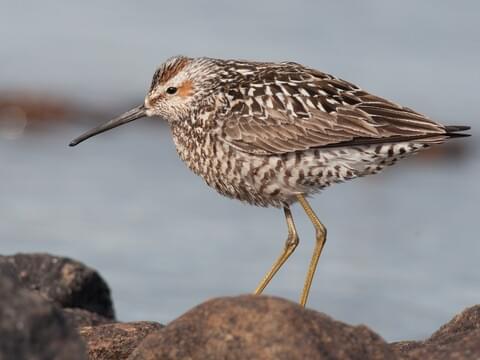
[[171, 90]]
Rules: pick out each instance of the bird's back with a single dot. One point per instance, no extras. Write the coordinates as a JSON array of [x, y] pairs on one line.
[[277, 130]]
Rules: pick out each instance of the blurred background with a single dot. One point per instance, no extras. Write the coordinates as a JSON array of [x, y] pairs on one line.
[[403, 249]]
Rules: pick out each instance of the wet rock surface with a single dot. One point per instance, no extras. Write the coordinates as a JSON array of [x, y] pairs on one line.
[[57, 308]]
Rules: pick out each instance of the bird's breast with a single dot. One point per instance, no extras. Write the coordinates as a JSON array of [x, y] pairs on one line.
[[231, 172]]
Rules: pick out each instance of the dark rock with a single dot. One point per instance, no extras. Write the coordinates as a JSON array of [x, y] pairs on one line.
[[80, 317], [260, 327], [33, 328], [115, 341], [458, 339], [67, 282]]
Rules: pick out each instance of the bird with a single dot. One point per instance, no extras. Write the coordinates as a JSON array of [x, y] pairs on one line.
[[273, 134]]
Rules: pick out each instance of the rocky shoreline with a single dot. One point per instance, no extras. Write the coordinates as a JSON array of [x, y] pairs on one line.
[[57, 308]]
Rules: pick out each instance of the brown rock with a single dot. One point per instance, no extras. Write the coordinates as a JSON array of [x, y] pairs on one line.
[[458, 339], [466, 322], [403, 348], [260, 327], [33, 328], [115, 341], [68, 283]]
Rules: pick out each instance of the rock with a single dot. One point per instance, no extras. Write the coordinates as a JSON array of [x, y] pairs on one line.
[[46, 301], [467, 322], [33, 328], [115, 341], [260, 327], [458, 339], [403, 348], [68, 283], [81, 317]]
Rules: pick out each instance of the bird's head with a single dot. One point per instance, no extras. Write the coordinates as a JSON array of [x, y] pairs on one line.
[[176, 86]]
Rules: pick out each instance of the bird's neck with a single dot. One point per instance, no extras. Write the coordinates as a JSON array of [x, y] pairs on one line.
[[187, 133], [195, 135], [191, 142]]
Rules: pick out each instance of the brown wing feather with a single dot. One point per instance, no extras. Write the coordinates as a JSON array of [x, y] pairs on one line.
[[315, 110]]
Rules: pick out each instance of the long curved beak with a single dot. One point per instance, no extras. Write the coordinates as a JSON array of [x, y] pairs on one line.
[[134, 114]]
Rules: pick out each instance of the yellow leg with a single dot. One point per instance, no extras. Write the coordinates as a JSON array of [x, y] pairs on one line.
[[321, 238], [290, 245]]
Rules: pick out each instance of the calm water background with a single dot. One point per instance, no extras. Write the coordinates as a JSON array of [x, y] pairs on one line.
[[403, 247]]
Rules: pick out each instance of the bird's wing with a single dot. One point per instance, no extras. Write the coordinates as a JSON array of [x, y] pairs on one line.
[[298, 109]]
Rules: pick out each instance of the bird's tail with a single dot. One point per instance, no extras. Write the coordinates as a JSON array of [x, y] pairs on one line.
[[454, 130]]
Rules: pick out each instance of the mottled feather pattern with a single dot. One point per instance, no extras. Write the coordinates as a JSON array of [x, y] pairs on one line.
[[265, 132], [292, 112], [271, 134]]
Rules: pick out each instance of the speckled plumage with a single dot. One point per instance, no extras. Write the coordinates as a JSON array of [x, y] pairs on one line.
[[265, 132], [272, 134]]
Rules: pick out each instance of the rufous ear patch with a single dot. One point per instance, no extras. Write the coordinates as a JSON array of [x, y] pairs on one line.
[[186, 89]]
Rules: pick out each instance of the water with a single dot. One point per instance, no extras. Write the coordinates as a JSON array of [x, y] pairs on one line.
[[402, 255]]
